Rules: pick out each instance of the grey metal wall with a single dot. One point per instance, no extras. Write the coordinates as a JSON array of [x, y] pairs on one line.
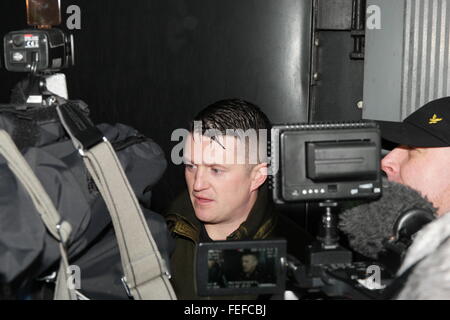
[[426, 67], [407, 61], [383, 63]]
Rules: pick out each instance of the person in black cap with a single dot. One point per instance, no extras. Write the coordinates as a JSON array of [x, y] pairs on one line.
[[421, 160]]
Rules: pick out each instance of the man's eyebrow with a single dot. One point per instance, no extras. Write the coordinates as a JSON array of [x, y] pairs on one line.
[[216, 165]]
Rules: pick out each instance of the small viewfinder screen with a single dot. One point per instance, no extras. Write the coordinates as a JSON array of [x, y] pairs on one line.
[[241, 267]]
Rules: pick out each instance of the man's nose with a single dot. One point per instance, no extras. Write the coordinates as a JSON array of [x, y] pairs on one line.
[[391, 166], [200, 180]]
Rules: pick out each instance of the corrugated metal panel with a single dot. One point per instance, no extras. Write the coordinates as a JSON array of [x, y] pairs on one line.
[[426, 66], [384, 61]]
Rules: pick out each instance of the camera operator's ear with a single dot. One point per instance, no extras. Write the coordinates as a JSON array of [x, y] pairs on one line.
[[259, 175]]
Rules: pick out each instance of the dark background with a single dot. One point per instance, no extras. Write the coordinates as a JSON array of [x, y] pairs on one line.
[[153, 64]]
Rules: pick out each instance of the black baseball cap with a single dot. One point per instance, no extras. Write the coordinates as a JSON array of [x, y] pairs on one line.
[[427, 127]]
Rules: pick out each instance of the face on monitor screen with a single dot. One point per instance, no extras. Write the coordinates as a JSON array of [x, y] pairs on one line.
[[240, 267]]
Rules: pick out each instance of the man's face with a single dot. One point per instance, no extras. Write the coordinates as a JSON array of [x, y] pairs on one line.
[[249, 263], [219, 187], [426, 170]]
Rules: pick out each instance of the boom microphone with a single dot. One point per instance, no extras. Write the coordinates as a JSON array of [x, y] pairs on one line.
[[388, 223]]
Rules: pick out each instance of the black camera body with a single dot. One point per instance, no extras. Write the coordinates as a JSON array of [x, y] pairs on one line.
[[38, 50], [325, 161]]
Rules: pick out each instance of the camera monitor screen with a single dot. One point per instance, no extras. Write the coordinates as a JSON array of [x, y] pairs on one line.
[[241, 268], [44, 12], [325, 161]]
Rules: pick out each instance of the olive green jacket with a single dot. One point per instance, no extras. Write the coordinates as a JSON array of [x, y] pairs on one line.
[[264, 222]]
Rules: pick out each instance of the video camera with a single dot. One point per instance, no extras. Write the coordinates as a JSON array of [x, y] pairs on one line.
[[322, 163], [326, 163], [41, 51]]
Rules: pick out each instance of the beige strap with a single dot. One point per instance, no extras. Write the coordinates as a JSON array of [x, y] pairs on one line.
[[59, 229], [145, 271], [146, 275]]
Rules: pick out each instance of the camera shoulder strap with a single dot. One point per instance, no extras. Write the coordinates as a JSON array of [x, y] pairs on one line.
[[146, 275], [55, 225]]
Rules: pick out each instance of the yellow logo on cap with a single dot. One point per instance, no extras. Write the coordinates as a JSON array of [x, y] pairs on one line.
[[435, 120]]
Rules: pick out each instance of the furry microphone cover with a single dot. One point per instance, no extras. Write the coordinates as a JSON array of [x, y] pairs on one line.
[[368, 225]]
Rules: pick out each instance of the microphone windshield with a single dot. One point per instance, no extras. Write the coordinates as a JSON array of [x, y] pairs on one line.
[[369, 225]]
